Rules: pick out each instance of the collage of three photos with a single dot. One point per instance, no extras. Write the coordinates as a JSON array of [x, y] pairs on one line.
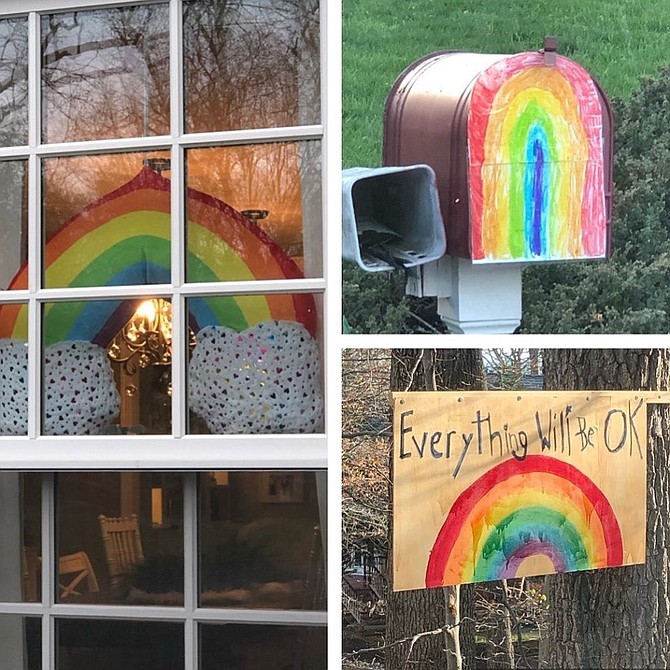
[[332, 334]]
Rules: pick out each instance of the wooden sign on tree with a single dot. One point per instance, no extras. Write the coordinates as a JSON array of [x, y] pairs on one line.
[[508, 484]]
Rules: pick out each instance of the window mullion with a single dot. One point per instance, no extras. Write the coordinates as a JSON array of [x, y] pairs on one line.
[[191, 569], [155, 452], [48, 570], [34, 227], [34, 306], [179, 360], [178, 229], [34, 73], [247, 287], [176, 69], [252, 136]]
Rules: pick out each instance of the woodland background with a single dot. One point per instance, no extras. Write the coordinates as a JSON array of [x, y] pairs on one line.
[[608, 618]]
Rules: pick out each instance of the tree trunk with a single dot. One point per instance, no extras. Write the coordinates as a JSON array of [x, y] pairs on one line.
[[620, 617], [412, 612], [500, 645]]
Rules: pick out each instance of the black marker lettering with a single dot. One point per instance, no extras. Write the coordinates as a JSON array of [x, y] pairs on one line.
[[624, 430], [403, 430], [435, 439], [546, 442], [467, 438], [523, 441], [633, 429]]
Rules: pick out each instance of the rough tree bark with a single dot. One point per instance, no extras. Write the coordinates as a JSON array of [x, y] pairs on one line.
[[412, 612], [618, 618]]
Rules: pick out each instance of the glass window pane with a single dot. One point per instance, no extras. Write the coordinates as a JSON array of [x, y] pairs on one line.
[[250, 64], [242, 647], [13, 82], [13, 369], [254, 212], [109, 645], [20, 577], [107, 367], [125, 531], [13, 224], [105, 73], [21, 642], [256, 364], [106, 220], [261, 541]]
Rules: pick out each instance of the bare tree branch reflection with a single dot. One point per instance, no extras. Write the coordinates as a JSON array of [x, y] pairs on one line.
[[251, 64], [105, 74]]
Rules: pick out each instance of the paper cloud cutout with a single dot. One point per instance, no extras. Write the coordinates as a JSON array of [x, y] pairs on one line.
[[265, 379], [80, 396], [13, 387]]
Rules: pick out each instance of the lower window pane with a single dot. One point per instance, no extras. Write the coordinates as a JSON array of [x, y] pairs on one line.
[[115, 645], [21, 642], [20, 509], [262, 540], [120, 538], [247, 647]]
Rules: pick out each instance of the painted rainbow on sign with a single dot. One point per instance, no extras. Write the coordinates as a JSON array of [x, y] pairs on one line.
[[536, 167], [540, 506], [124, 238]]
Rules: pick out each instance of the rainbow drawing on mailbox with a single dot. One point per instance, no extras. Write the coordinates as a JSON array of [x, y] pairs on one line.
[[536, 164], [124, 238], [519, 510]]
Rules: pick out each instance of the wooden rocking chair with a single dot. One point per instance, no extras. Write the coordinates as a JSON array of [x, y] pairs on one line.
[[123, 547]]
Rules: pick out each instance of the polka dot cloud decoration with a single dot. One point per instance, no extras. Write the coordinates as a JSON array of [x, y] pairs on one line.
[[80, 393], [13, 387], [80, 396], [265, 379]]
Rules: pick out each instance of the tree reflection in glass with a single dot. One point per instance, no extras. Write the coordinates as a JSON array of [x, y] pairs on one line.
[[13, 221], [13, 82], [251, 64], [105, 73]]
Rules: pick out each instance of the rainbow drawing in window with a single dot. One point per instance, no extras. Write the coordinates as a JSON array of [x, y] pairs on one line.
[[536, 163]]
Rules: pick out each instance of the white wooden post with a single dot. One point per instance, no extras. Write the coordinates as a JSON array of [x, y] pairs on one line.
[[471, 298]]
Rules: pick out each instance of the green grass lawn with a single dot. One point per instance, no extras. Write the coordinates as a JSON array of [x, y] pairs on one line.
[[617, 41]]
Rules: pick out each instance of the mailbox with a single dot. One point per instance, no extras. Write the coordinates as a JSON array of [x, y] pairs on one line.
[[521, 146]]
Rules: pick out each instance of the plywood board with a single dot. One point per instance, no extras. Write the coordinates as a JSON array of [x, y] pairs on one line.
[[504, 484]]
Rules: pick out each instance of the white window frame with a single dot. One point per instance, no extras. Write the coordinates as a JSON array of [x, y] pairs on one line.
[[189, 614], [178, 451]]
